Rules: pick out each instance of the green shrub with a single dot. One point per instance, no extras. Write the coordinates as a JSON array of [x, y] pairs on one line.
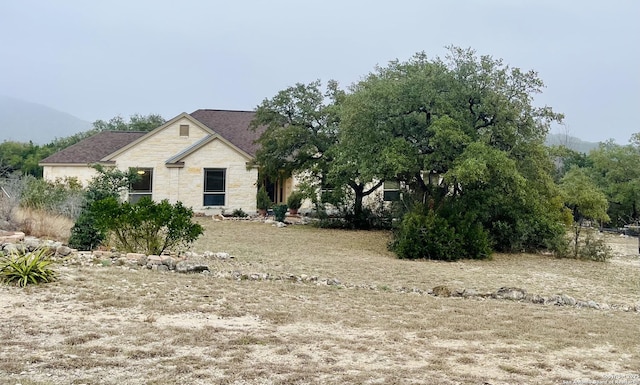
[[23, 269], [84, 234], [263, 202], [239, 213], [146, 227], [594, 248], [280, 212], [108, 183], [432, 236], [589, 246], [294, 201], [426, 236]]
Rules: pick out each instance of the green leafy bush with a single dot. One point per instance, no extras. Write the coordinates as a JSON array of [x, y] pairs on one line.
[[432, 236], [263, 202], [280, 212], [84, 234], [23, 269], [108, 183], [239, 213], [589, 246], [294, 201], [146, 227]]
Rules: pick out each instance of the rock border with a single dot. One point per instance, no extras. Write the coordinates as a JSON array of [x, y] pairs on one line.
[[185, 264]]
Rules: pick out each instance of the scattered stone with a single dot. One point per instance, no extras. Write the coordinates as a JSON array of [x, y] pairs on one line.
[[221, 255], [441, 291], [511, 293], [534, 298], [159, 267], [63, 251], [190, 267], [168, 261], [466, 293], [593, 305], [31, 243], [11, 236], [10, 248], [567, 300]]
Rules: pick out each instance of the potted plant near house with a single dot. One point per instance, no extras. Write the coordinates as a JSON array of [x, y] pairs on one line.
[[263, 202], [294, 201]]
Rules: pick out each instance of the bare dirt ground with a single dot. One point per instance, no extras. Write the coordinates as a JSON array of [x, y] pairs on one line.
[[113, 325]]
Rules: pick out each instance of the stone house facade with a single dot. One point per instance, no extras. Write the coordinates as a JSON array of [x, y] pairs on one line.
[[202, 159]]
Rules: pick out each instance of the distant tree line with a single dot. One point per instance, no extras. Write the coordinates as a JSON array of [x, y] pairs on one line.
[[23, 158]]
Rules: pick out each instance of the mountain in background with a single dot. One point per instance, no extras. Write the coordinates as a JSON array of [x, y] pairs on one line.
[[571, 142], [22, 121]]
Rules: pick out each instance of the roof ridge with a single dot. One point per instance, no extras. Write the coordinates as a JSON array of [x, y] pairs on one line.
[[221, 110]]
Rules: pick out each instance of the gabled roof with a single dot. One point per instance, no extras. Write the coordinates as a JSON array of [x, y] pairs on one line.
[[94, 148], [233, 126]]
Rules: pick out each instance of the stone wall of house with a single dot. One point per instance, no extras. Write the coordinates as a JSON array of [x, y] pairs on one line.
[[186, 184], [83, 173]]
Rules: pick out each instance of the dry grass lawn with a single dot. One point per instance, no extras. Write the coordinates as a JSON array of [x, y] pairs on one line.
[[111, 325]]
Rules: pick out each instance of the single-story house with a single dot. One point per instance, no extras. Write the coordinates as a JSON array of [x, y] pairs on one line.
[[202, 159]]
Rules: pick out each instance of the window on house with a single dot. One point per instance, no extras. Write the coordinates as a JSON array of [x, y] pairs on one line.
[[184, 130], [391, 191], [143, 186], [214, 186]]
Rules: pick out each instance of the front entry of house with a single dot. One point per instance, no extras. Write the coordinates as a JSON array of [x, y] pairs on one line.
[[278, 190]]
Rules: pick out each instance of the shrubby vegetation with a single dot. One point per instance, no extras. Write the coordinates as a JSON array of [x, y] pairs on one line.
[[25, 268], [108, 183], [146, 226], [461, 136]]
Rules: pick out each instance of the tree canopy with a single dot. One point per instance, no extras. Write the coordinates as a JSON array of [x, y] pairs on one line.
[[460, 134], [24, 157]]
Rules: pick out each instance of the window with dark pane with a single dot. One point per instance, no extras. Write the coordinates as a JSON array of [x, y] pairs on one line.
[[391, 191], [214, 186], [142, 186]]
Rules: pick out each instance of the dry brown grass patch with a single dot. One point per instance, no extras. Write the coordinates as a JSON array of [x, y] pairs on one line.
[[110, 325], [43, 224]]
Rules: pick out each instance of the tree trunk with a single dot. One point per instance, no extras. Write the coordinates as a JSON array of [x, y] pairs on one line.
[[358, 190]]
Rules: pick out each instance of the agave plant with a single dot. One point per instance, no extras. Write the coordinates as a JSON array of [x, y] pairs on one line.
[[23, 269]]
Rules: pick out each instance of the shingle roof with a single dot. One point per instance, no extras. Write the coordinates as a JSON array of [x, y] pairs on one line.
[[233, 126], [94, 148]]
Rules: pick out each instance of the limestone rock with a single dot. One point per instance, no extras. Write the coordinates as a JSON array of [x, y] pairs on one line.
[[190, 267], [31, 243], [441, 291], [63, 251], [511, 293], [567, 300], [466, 293]]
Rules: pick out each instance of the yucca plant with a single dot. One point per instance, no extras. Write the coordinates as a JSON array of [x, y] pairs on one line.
[[23, 269]]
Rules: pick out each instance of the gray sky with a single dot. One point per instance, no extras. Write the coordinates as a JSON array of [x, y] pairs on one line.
[[99, 59]]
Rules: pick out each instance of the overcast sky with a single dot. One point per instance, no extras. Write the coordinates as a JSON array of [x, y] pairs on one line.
[[99, 59]]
